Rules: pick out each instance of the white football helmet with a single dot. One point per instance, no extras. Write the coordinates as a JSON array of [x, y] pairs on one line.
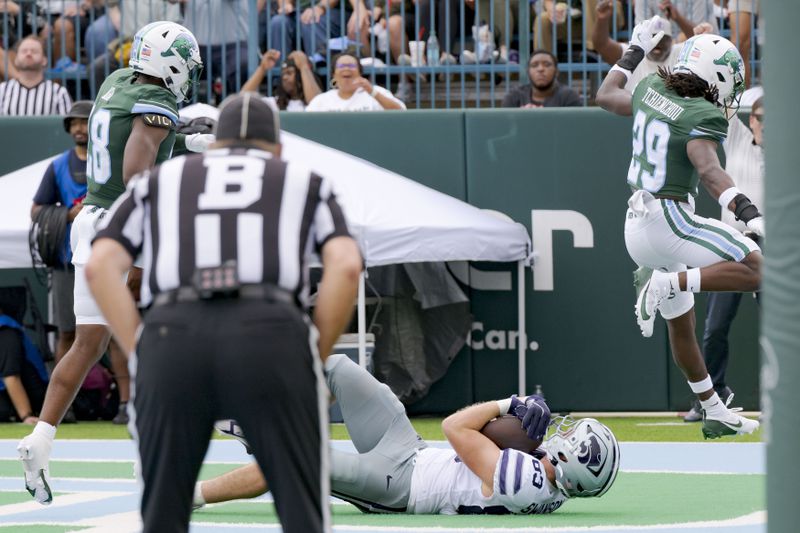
[[717, 61], [168, 51], [585, 455]]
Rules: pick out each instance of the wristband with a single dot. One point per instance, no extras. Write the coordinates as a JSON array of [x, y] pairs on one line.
[[374, 91], [504, 405], [744, 209], [617, 68], [631, 58], [727, 196]]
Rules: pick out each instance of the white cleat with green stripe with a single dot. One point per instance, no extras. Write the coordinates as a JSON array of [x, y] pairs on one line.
[[652, 288]]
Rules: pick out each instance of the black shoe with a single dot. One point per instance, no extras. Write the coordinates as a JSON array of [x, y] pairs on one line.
[[122, 415], [695, 414], [724, 394], [69, 417]]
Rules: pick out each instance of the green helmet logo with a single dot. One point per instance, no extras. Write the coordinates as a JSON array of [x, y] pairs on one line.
[[732, 59], [183, 46]]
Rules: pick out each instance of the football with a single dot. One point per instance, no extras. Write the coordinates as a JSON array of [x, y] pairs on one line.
[[506, 431]]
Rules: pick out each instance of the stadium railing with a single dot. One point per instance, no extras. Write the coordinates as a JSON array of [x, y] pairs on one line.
[[457, 85]]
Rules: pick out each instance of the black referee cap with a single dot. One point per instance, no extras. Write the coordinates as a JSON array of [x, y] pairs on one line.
[[246, 116]]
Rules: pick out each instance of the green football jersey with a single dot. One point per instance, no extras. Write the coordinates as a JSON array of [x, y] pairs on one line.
[[663, 123], [118, 102]]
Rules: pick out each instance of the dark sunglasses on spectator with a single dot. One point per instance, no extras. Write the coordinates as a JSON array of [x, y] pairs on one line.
[[759, 117], [347, 65]]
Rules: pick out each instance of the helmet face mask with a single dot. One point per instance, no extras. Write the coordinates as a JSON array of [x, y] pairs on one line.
[[717, 61], [585, 455], [170, 52]]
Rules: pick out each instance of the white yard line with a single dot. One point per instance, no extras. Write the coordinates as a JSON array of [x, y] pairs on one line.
[[64, 500]]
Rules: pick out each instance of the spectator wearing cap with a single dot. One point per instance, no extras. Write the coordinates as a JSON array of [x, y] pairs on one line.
[[29, 93], [230, 235], [544, 90], [352, 91], [297, 86], [665, 54]]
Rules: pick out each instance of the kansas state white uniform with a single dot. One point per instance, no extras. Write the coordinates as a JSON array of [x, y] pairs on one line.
[[442, 484]]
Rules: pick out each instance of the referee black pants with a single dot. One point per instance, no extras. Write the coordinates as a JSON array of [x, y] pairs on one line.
[[249, 360]]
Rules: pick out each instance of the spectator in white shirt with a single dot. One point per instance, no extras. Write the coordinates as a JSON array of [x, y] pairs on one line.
[[352, 91]]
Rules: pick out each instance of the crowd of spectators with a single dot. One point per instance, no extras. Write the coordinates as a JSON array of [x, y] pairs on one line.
[[84, 40]]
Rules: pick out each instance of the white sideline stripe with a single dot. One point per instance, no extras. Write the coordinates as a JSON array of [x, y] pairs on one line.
[[82, 479], [693, 473], [61, 501], [643, 414], [127, 522], [128, 461]]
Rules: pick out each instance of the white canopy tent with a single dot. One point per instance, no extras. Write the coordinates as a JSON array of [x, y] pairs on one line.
[[394, 219]]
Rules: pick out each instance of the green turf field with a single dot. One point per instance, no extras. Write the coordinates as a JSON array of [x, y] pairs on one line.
[[638, 429]]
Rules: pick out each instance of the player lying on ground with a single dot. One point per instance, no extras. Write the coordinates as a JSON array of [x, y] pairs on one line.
[[680, 118], [395, 471]]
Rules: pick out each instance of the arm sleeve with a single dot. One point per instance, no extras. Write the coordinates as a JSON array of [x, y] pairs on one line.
[[47, 193], [125, 220], [329, 220]]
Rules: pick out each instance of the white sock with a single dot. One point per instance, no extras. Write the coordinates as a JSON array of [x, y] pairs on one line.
[[198, 494], [714, 406], [45, 429], [699, 387], [693, 280]]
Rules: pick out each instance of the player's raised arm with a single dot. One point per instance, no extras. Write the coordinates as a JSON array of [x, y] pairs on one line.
[[612, 96]]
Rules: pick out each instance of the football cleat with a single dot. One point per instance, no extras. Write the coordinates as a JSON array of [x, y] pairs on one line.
[[231, 429], [652, 288], [728, 424], [34, 450]]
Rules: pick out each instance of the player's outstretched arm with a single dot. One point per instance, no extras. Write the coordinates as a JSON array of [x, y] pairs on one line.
[[341, 266], [105, 274], [243, 483], [703, 155], [463, 431]]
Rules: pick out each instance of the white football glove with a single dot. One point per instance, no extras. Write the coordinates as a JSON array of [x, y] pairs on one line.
[[756, 225], [643, 36], [199, 142]]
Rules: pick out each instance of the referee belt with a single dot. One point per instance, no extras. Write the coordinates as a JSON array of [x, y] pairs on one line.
[[267, 293]]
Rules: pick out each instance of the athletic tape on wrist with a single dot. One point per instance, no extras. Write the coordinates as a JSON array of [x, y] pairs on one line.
[[727, 197], [504, 405]]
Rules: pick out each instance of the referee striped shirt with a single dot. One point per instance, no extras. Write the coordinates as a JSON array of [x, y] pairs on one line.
[[202, 210], [45, 98]]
